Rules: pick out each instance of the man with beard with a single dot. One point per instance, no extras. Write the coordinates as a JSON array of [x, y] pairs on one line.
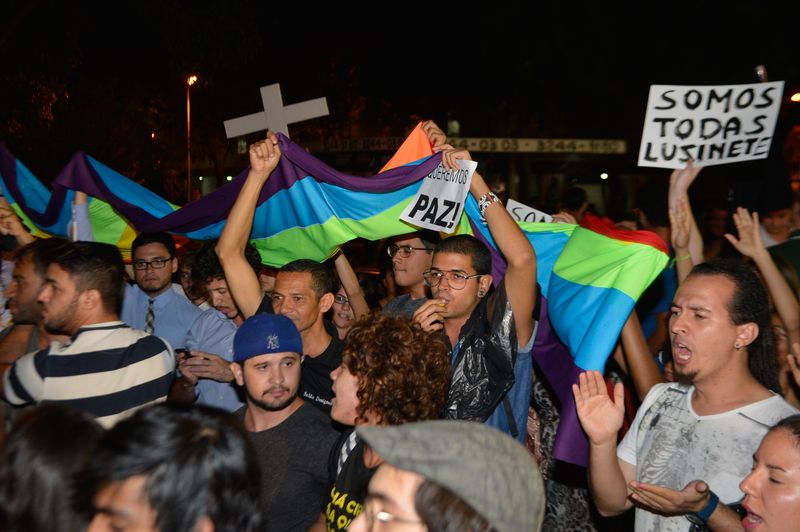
[[151, 304], [304, 289], [292, 439], [105, 368], [28, 333], [692, 441]]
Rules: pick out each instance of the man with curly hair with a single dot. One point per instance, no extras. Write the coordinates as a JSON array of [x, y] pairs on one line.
[[392, 372]]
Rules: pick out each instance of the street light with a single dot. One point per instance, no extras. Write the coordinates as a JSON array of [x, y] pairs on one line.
[[189, 82]]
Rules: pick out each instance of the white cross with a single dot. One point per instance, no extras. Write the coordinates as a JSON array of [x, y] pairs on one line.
[[279, 117]]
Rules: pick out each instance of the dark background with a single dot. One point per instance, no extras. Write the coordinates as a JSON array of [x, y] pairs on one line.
[[103, 77]]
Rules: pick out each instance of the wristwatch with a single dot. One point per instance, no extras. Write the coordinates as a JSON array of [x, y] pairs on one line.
[[702, 517]]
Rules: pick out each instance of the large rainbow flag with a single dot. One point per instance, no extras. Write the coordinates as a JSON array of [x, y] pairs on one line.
[[590, 277]]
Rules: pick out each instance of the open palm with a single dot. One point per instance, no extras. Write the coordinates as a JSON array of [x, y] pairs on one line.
[[600, 417]]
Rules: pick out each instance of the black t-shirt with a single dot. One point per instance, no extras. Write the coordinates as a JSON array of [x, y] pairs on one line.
[[345, 499], [293, 458], [265, 307], [315, 382]]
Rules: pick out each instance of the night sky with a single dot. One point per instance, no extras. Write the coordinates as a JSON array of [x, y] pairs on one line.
[[506, 69]]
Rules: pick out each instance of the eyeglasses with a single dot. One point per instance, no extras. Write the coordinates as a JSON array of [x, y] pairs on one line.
[[385, 517], [456, 279], [404, 251], [156, 264], [340, 299]]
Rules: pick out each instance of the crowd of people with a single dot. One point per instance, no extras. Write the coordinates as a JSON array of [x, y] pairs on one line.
[[197, 389]]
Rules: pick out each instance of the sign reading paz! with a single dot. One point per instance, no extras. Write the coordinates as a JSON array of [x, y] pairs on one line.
[[440, 199], [709, 125]]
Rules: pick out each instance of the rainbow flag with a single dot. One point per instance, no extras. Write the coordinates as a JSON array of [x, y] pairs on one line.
[[590, 278], [117, 205]]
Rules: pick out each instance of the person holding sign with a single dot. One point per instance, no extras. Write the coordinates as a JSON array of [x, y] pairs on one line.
[[491, 332]]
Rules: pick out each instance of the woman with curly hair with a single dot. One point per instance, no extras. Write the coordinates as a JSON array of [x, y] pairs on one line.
[[392, 372]]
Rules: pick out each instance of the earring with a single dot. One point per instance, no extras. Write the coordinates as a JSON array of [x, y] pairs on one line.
[[481, 293], [737, 346]]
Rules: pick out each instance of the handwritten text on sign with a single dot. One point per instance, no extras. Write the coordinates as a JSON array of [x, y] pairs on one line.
[[710, 125], [522, 213], [440, 199]]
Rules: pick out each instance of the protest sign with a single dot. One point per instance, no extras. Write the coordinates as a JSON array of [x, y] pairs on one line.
[[440, 200], [709, 125], [522, 213]]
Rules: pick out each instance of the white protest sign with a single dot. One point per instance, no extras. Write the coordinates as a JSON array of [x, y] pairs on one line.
[[440, 199], [522, 213], [711, 125]]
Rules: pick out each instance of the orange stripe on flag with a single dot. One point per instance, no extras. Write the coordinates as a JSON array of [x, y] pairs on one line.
[[414, 148]]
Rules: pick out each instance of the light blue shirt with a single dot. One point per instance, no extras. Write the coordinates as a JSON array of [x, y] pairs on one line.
[[174, 314], [81, 225], [519, 395], [213, 333]]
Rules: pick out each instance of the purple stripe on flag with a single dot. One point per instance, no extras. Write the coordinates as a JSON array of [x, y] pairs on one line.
[[80, 175], [498, 263], [559, 370]]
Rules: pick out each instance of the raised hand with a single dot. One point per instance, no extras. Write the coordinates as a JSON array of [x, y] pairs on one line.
[[451, 157], [264, 155], [435, 134], [600, 417], [680, 224], [680, 180], [749, 242], [10, 223]]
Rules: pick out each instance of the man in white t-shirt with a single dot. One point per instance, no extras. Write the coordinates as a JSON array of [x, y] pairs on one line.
[[692, 441]]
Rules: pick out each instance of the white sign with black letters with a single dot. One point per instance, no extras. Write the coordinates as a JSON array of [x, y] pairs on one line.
[[710, 124], [522, 213], [440, 199]]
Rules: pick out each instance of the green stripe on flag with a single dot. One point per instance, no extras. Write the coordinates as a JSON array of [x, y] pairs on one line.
[[592, 259]]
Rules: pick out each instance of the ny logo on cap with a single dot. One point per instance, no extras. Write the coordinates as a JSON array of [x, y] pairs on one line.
[[272, 341]]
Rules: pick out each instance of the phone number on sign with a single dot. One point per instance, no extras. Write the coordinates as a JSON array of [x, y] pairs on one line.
[[500, 145]]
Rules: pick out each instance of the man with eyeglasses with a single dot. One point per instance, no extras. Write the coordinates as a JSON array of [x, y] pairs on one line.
[[411, 255], [450, 475], [151, 304], [491, 332]]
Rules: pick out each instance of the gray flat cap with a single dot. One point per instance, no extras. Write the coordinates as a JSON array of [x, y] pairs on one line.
[[488, 469]]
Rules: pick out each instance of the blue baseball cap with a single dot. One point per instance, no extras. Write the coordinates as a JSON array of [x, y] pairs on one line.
[[264, 334]]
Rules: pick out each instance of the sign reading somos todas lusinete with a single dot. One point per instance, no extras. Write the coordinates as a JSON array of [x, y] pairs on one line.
[[709, 125]]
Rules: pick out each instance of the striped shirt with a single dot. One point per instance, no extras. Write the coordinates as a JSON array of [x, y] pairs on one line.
[[106, 369]]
